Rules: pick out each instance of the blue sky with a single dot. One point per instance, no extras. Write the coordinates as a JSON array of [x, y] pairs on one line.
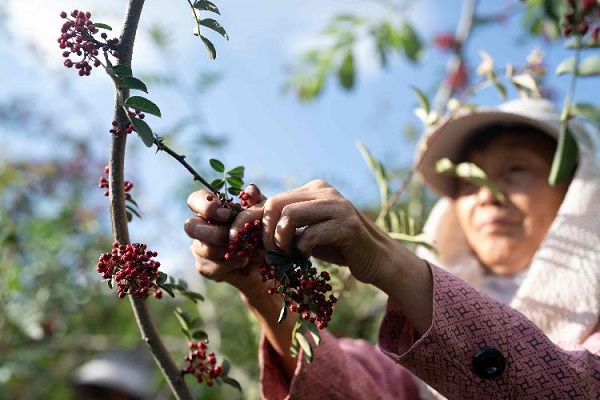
[[277, 138]]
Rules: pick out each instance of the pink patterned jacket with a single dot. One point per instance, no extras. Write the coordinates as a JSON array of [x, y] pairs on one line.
[[476, 348]]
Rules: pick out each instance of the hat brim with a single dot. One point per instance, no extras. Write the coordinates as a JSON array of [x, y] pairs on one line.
[[449, 137]]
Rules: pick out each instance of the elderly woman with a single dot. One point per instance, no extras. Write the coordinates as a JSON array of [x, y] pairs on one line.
[[509, 305]]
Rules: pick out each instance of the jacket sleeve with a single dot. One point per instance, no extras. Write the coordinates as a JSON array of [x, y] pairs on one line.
[[341, 369], [478, 348]]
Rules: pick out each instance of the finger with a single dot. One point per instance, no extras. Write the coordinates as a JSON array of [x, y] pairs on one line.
[[274, 207], [209, 206], [254, 195], [248, 215], [297, 217], [202, 250], [198, 228]]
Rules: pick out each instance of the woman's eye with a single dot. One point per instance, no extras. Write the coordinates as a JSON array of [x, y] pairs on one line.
[[516, 168]]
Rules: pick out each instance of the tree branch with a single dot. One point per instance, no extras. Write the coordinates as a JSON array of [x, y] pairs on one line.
[[118, 210]]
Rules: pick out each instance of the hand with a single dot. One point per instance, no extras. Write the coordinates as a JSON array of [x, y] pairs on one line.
[[318, 221], [210, 231]]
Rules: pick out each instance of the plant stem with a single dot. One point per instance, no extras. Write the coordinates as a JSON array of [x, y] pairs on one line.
[[118, 210], [160, 144]]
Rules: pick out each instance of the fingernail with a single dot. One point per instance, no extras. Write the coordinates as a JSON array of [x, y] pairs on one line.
[[223, 213]]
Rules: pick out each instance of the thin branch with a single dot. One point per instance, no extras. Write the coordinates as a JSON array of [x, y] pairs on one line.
[[118, 210], [160, 145]]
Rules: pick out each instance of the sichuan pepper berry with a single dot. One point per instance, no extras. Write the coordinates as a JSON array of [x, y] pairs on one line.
[[133, 269]]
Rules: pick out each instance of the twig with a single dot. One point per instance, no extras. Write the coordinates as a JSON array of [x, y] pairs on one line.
[[160, 144]]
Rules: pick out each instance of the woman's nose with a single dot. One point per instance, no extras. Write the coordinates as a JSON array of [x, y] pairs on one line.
[[490, 195]]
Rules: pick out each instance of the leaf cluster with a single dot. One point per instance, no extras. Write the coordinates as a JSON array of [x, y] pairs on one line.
[[231, 180]]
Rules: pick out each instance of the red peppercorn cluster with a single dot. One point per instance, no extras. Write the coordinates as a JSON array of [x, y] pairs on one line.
[[304, 291], [119, 130], [132, 268], [201, 364], [247, 242], [77, 39], [581, 17], [103, 184]]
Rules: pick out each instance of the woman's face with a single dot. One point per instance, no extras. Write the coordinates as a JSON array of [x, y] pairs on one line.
[[505, 235]]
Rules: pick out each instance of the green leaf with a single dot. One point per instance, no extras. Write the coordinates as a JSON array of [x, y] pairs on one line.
[[235, 181], [346, 72], [423, 100], [226, 366], [314, 332], [122, 70], [273, 257], [133, 211], [143, 130], [470, 172], [590, 66], [234, 191], [195, 297], [199, 335], [143, 104], [233, 382], [130, 82], [213, 24], [217, 184], [411, 42], [210, 47], [305, 345], [206, 6], [183, 317], [109, 282], [216, 165], [586, 110], [283, 312], [237, 171], [101, 25], [565, 157], [162, 278], [566, 66]]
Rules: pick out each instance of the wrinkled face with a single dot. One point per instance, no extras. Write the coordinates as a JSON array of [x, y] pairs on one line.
[[505, 235]]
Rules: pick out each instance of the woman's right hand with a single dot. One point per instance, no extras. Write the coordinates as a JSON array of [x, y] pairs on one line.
[[210, 230]]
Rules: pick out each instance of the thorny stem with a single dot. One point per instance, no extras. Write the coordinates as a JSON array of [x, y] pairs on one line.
[[160, 145], [118, 210]]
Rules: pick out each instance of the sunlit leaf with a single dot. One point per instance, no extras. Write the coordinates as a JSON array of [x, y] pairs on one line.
[[590, 66], [210, 47], [565, 157], [283, 312], [469, 172], [586, 110], [183, 317], [305, 346], [566, 66]]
